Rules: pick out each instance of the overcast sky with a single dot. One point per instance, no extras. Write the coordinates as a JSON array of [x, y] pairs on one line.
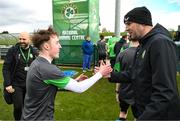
[[30, 15]]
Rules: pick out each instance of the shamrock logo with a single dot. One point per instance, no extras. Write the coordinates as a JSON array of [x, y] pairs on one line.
[[69, 12]]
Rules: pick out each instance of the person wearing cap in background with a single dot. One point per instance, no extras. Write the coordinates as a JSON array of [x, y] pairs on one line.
[[153, 74], [15, 68]]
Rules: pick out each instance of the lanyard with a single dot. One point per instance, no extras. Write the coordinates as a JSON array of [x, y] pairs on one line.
[[24, 57]]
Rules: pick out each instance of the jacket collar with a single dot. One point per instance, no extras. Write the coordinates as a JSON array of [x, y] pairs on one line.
[[157, 29]]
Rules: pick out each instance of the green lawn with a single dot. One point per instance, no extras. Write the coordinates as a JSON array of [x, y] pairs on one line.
[[97, 103]]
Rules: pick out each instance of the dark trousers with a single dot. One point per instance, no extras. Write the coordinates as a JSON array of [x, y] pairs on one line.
[[18, 101], [123, 105], [124, 108]]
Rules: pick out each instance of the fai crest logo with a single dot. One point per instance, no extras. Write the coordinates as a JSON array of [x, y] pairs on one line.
[[69, 11]]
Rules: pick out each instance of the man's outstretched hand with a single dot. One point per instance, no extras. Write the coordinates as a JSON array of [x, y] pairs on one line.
[[104, 69], [81, 77]]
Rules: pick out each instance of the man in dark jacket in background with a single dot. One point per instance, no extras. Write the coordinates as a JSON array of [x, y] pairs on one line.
[[102, 50], [121, 43], [153, 74], [15, 67], [124, 61]]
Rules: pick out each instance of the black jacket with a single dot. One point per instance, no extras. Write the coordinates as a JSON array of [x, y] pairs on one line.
[[13, 64], [125, 59], [153, 76], [118, 46]]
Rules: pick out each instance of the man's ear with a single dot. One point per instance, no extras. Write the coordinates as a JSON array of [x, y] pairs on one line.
[[46, 46]]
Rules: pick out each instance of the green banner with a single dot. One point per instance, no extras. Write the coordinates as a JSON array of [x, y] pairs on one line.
[[73, 20]]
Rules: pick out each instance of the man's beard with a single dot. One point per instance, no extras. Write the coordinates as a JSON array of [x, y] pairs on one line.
[[24, 45]]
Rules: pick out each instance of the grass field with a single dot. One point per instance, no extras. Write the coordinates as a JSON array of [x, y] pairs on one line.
[[97, 103]]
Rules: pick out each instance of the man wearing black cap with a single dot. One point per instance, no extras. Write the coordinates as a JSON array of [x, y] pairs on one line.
[[153, 73]]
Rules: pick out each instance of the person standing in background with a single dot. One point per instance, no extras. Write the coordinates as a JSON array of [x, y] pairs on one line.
[[15, 68], [102, 50], [87, 48], [121, 43], [124, 91], [111, 43]]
